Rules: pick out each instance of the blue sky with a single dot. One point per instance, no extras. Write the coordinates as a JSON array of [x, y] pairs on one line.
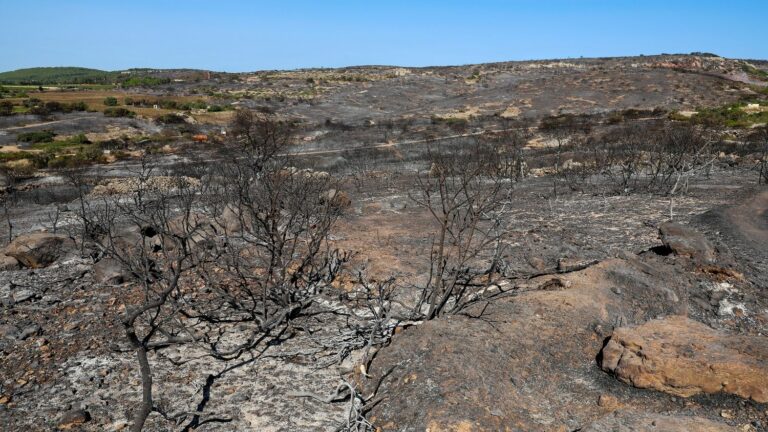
[[240, 35]]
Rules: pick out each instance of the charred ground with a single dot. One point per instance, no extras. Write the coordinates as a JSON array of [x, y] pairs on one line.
[[481, 247]]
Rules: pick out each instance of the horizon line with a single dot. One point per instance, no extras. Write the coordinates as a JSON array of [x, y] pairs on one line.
[[694, 53]]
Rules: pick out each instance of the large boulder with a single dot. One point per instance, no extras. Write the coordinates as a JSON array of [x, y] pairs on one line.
[[131, 239], [231, 220], [198, 228], [108, 271], [683, 357], [685, 241], [40, 249]]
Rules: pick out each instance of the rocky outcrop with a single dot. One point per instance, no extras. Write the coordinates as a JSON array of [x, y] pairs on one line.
[[155, 184], [647, 422], [231, 220], [40, 249], [484, 371], [682, 357], [684, 241]]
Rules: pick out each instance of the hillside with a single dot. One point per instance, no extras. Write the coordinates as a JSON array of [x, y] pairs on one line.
[[56, 75], [544, 245]]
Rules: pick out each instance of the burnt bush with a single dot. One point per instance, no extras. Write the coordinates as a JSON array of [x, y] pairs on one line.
[[637, 158]]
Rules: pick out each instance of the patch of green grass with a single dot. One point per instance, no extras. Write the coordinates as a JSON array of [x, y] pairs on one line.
[[755, 72], [12, 156], [732, 116], [20, 88], [85, 155], [144, 81], [55, 146], [118, 112]]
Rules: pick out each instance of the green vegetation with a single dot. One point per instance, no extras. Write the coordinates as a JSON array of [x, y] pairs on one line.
[[169, 104], [110, 101], [56, 75], [12, 156], [171, 119], [36, 137], [144, 81], [64, 76], [13, 92], [761, 90], [36, 106], [755, 72], [77, 140], [85, 155], [74, 151], [732, 115], [118, 112]]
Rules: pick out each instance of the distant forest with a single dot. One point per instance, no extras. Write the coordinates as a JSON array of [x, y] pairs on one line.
[[57, 75], [79, 75]]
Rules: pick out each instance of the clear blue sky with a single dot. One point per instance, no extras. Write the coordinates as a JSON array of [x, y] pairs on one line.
[[240, 35]]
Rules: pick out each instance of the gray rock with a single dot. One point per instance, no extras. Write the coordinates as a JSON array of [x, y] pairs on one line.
[[685, 241], [30, 330], [8, 331], [108, 271], [23, 295]]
